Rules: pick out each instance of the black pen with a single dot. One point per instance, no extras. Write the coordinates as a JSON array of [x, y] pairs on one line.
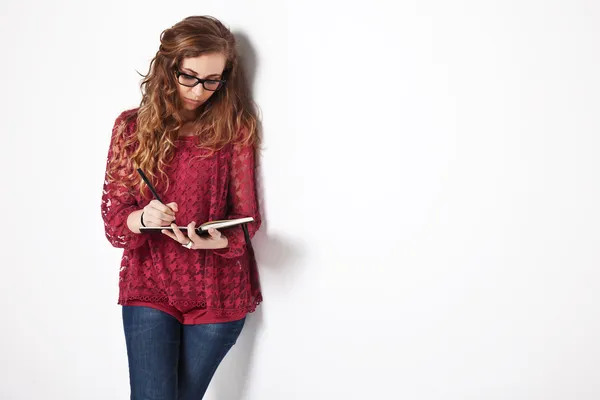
[[139, 170]]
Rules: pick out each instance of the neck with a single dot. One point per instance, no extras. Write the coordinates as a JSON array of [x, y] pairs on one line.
[[188, 115]]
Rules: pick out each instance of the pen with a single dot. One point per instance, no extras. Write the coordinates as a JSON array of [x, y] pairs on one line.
[[145, 178]]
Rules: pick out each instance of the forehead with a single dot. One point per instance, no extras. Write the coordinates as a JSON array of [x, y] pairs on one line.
[[206, 64]]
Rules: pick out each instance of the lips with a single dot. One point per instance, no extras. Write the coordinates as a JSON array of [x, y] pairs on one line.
[[192, 101]]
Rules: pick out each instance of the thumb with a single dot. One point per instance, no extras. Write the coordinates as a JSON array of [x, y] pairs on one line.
[[173, 206]]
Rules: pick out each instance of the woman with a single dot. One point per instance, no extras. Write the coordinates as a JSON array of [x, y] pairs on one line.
[[184, 297]]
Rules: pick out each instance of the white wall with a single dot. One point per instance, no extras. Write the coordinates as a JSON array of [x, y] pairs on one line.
[[429, 186]]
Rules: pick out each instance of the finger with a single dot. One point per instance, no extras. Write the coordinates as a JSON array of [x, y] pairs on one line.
[[161, 219], [151, 220], [169, 234], [173, 206], [167, 217], [192, 232], [214, 233], [180, 236], [162, 207]]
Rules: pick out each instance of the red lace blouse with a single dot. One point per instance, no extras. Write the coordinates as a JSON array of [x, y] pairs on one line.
[[195, 286]]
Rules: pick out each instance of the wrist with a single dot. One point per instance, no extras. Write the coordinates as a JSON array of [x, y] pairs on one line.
[[134, 222]]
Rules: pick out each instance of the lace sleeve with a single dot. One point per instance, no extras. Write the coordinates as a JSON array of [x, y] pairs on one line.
[[118, 202], [241, 200]]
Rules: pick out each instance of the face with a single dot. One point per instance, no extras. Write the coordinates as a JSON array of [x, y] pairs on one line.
[[206, 66]]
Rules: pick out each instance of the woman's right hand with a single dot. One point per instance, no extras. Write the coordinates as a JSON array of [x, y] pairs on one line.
[[159, 214]]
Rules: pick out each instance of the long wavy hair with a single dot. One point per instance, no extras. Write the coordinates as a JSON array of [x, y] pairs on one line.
[[229, 115]]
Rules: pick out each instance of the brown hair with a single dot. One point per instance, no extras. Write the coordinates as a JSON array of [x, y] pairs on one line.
[[228, 116]]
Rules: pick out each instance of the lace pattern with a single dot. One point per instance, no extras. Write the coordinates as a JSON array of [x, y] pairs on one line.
[[158, 269]]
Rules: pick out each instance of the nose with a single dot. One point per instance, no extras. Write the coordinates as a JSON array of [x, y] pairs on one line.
[[198, 90]]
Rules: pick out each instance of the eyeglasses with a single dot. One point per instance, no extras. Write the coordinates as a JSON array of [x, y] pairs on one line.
[[191, 81]]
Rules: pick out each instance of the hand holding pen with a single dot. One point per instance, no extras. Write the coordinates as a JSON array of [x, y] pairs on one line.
[[156, 213], [159, 214]]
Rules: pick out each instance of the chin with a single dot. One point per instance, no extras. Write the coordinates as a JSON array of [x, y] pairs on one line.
[[190, 107]]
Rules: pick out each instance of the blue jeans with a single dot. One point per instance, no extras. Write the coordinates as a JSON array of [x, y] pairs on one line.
[[171, 361]]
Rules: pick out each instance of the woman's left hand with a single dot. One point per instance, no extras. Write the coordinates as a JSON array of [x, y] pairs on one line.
[[215, 240]]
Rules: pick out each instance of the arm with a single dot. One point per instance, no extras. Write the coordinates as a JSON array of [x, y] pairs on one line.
[[241, 200], [119, 207]]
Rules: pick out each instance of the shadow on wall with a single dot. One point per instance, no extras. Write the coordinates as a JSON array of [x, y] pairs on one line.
[[231, 379]]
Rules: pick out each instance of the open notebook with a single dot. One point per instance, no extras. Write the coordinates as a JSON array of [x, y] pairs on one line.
[[202, 229]]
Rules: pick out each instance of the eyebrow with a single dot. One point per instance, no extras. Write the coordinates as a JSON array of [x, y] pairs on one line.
[[192, 72]]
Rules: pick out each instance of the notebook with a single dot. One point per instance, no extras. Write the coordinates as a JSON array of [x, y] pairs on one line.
[[201, 230]]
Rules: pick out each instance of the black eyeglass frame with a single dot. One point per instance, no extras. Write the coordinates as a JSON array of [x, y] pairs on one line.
[[202, 81]]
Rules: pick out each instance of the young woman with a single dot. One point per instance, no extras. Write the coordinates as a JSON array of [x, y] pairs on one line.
[[184, 297]]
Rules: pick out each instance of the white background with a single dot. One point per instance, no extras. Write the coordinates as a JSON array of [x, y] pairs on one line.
[[428, 180]]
